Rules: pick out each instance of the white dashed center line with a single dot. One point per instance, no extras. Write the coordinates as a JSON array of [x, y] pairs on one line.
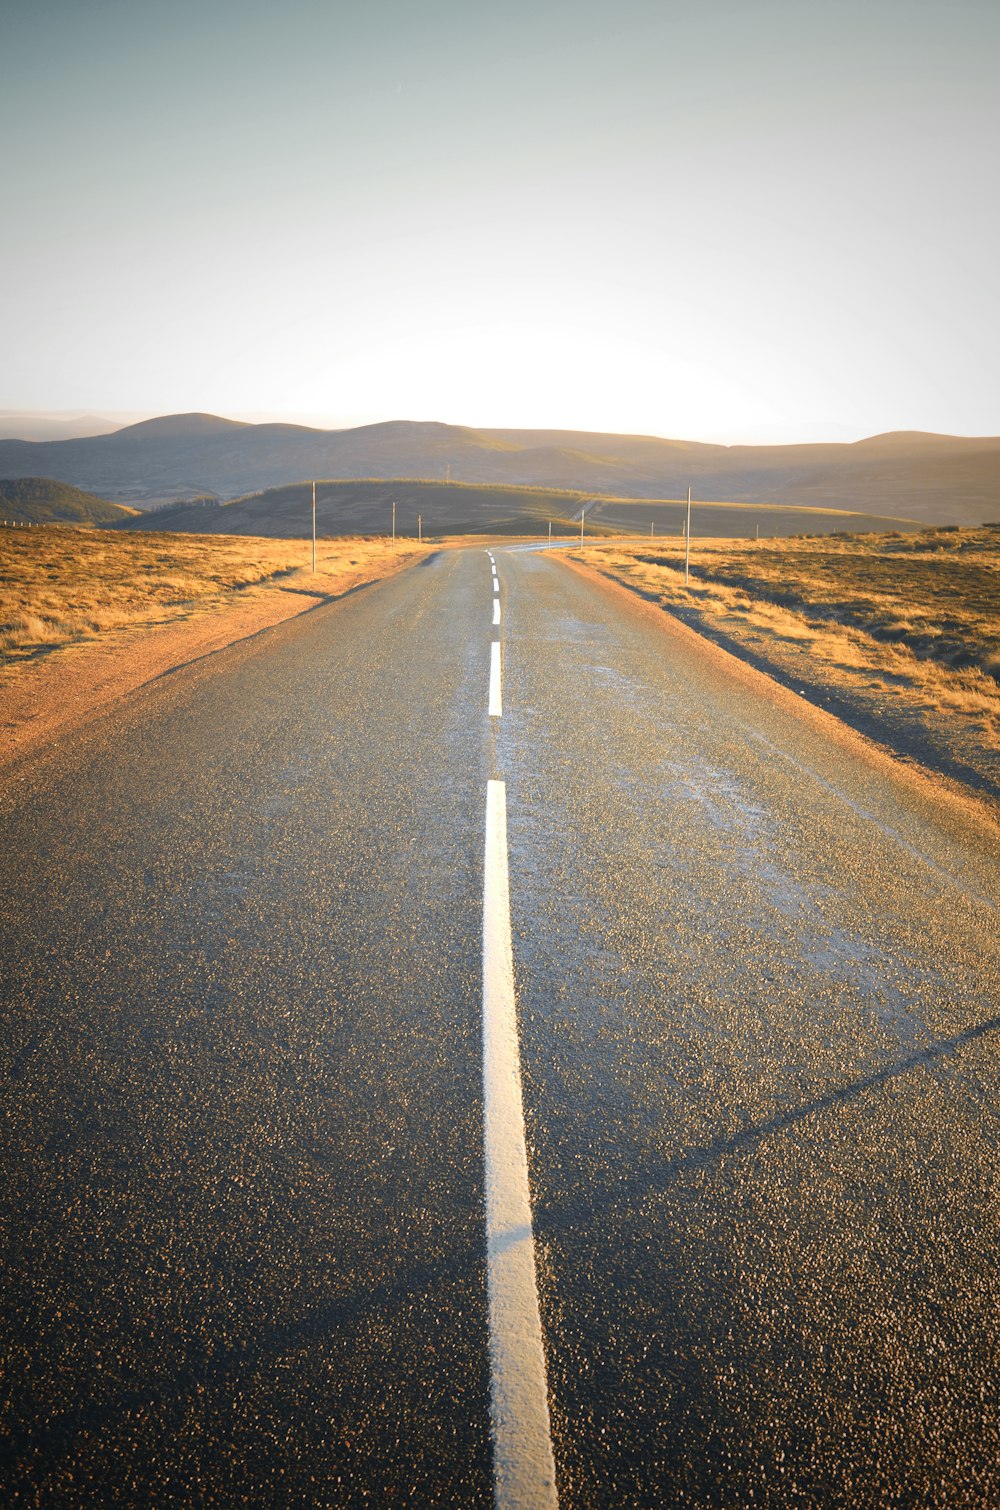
[[523, 1463], [496, 703], [496, 610]]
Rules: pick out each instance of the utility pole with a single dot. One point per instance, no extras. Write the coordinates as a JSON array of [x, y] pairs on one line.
[[687, 543], [314, 529], [394, 522]]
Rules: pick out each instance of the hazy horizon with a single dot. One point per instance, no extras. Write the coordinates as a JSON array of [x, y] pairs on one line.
[[706, 223], [45, 425]]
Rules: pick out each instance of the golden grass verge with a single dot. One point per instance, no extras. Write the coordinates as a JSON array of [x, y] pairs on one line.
[[61, 588]]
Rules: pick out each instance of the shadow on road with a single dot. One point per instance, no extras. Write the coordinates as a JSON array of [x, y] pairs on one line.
[[652, 1175], [751, 1135]]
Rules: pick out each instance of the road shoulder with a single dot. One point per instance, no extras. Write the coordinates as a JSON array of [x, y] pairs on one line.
[[920, 777], [43, 701]]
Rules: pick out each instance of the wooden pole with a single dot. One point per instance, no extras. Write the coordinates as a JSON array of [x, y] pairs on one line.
[[687, 542]]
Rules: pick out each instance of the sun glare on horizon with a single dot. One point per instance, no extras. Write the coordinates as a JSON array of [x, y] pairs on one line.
[[701, 222]]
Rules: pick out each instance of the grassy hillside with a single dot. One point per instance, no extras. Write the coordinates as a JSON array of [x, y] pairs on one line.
[[365, 507], [460, 508], [930, 478], [727, 519], [41, 500]]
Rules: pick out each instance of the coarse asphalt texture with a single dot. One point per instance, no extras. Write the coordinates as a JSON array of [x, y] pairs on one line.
[[242, 1198]]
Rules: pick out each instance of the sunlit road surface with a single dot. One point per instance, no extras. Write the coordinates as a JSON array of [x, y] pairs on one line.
[[244, 1192]]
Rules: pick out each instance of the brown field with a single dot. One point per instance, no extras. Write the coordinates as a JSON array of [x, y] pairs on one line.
[[903, 630], [63, 587]]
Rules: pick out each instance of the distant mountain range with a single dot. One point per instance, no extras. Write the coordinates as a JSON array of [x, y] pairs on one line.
[[938, 479], [24, 424]]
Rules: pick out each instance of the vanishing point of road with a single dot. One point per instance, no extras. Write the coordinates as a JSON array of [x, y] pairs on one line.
[[466, 1045]]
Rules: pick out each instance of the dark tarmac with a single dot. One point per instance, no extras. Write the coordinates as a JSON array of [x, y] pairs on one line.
[[242, 1202]]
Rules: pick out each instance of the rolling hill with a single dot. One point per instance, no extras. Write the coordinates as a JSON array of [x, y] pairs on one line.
[[363, 507], [461, 508], [930, 478], [41, 500]]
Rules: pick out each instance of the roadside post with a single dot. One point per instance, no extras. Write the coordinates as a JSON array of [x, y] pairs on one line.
[[314, 529], [583, 513], [420, 528], [687, 543], [550, 531], [394, 522]]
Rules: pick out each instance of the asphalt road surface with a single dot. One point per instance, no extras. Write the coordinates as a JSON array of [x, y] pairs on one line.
[[249, 926]]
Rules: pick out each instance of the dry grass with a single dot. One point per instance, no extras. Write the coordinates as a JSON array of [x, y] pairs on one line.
[[914, 618], [61, 587]]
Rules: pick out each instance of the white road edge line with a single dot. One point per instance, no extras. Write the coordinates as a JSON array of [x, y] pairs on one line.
[[524, 1475], [496, 610], [496, 698]]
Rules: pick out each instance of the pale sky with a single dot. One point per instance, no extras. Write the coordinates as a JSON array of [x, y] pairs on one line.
[[710, 220]]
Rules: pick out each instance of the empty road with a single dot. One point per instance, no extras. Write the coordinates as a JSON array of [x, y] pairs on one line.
[[468, 1043]]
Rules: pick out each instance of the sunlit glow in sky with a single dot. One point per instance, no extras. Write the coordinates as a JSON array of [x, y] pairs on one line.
[[709, 220]]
